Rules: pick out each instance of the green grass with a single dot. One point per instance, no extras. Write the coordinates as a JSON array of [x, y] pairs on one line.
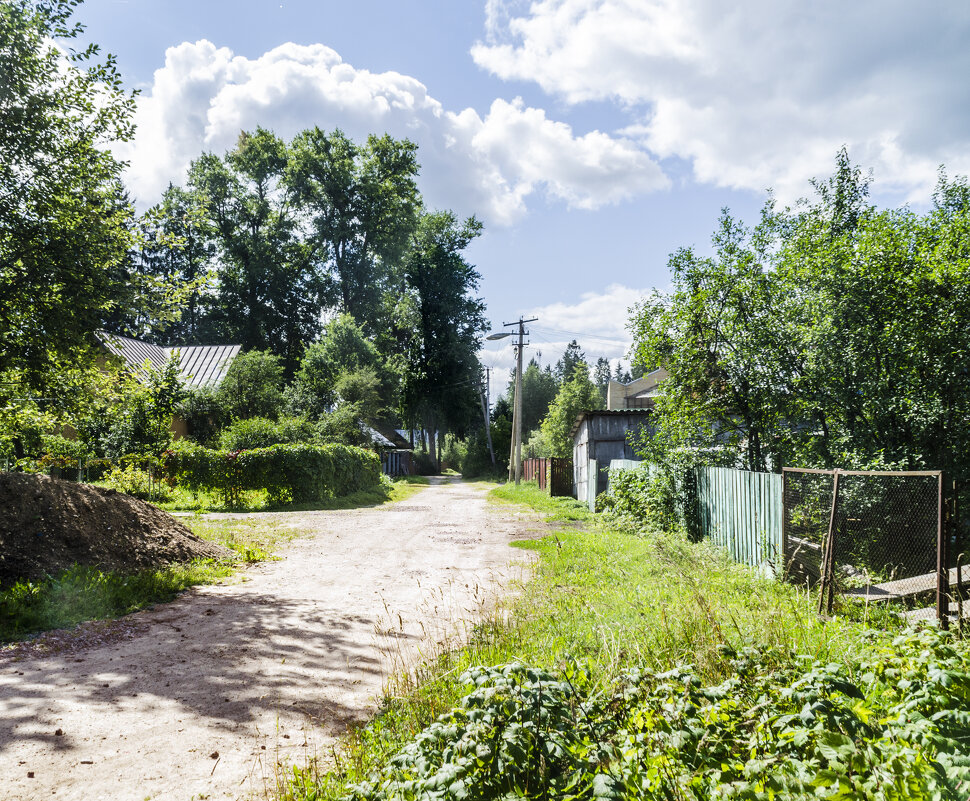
[[86, 593], [556, 510], [183, 500], [610, 600]]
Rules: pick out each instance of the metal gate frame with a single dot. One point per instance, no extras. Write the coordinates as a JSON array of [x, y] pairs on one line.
[[944, 515]]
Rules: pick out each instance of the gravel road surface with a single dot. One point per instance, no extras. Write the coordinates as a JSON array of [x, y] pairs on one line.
[[202, 697]]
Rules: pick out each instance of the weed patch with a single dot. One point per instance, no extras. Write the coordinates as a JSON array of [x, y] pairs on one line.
[[86, 593]]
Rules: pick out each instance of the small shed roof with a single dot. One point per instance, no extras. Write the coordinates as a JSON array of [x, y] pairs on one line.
[[607, 413], [199, 365]]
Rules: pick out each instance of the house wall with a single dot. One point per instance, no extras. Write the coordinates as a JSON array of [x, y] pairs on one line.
[[618, 395], [603, 438], [580, 460]]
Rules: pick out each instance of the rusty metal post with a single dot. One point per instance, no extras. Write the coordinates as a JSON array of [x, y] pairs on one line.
[[958, 545], [942, 569], [825, 598], [785, 564]]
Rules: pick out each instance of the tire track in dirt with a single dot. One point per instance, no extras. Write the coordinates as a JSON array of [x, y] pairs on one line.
[[200, 698]]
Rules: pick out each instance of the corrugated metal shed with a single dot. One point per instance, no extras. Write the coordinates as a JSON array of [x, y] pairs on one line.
[[199, 365]]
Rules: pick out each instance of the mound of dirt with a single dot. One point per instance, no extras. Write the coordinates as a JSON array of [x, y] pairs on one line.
[[47, 525]]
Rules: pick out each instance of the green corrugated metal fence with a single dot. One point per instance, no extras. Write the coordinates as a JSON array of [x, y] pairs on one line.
[[741, 511]]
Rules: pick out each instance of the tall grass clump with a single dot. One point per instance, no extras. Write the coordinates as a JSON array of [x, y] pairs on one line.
[[86, 593]]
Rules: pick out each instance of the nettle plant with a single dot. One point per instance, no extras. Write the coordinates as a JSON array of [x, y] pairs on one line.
[[893, 727]]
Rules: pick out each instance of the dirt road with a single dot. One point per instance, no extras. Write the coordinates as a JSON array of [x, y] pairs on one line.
[[200, 698]]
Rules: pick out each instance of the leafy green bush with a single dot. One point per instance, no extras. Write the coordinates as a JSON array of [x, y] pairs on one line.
[[133, 480], [297, 473], [252, 387], [655, 496], [203, 414], [260, 432], [891, 726], [453, 454]]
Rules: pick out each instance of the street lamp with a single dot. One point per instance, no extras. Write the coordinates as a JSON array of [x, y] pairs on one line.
[[515, 457]]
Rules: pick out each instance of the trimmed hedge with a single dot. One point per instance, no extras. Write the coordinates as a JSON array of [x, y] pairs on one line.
[[297, 473]]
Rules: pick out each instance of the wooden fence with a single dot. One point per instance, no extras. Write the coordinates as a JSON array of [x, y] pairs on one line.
[[397, 463], [554, 475]]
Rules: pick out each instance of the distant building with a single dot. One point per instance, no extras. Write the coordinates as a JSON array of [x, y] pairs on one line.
[[639, 394], [199, 365], [599, 437]]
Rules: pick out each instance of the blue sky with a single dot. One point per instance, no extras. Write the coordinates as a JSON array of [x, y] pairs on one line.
[[593, 137]]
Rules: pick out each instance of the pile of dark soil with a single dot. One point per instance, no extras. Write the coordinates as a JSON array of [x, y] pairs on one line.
[[48, 525]]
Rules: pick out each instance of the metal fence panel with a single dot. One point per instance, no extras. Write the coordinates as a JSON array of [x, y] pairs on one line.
[[741, 512]]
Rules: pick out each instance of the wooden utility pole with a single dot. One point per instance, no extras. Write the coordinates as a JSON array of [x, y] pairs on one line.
[[515, 463]]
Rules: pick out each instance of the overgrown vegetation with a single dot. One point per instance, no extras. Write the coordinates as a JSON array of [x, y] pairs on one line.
[[288, 473], [824, 336], [86, 593], [598, 667]]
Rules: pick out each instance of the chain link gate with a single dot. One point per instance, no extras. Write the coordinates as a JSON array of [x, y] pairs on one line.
[[874, 536]]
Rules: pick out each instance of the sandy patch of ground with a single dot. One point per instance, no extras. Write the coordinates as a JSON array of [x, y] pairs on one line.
[[201, 697]]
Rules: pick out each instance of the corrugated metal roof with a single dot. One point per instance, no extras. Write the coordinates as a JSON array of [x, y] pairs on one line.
[[199, 365], [204, 365]]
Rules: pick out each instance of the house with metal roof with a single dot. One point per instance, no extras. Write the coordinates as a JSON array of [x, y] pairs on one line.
[[199, 365]]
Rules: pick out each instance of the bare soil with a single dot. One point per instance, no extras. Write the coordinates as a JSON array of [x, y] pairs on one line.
[[212, 695], [47, 525]]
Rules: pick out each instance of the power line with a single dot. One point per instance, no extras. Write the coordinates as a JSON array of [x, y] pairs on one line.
[[582, 335]]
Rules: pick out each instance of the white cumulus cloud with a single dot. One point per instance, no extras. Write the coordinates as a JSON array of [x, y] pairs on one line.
[[205, 95], [762, 92], [597, 321]]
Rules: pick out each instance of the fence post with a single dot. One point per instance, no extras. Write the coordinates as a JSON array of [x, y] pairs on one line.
[[942, 569], [784, 526], [958, 545], [826, 596]]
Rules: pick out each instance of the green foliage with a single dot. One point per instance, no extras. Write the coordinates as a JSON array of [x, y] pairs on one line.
[[823, 336], [361, 390], [342, 426], [203, 414], [890, 726], [363, 203], [616, 603], [537, 446], [453, 454], [63, 222], [133, 480], [478, 460], [442, 376], [602, 375], [141, 420], [343, 350], [572, 358], [657, 497], [270, 282], [259, 432], [577, 395], [290, 473], [539, 389], [86, 593], [252, 386]]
